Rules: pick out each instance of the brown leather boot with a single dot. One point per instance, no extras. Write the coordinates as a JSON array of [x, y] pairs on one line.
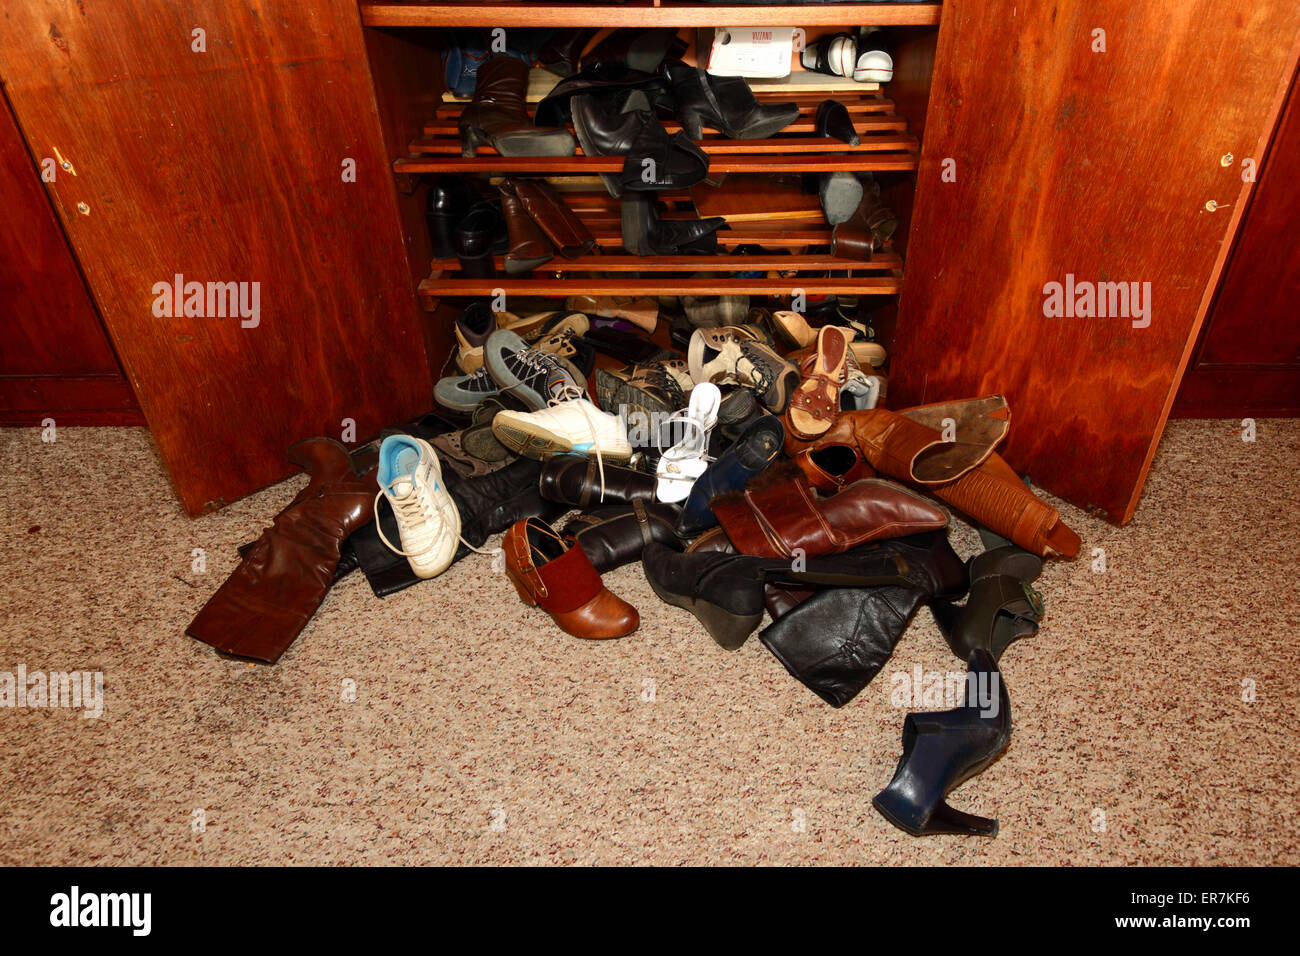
[[965, 472], [546, 208], [779, 514], [282, 580], [497, 115], [529, 247], [558, 577]]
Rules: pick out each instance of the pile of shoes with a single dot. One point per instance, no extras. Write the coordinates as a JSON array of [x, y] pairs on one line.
[[752, 468]]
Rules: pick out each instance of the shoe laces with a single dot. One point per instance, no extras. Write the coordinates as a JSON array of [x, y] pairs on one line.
[[413, 506], [571, 393]]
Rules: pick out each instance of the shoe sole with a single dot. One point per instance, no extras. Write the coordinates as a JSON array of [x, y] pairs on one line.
[[539, 444], [458, 404], [614, 393], [730, 631], [556, 143], [841, 197]]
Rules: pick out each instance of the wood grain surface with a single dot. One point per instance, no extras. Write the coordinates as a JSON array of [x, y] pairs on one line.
[[1095, 164], [225, 165]]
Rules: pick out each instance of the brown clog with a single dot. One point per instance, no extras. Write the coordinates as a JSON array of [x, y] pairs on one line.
[[551, 573]]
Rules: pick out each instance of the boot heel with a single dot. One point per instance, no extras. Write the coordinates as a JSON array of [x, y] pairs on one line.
[[525, 594], [692, 126], [471, 138]]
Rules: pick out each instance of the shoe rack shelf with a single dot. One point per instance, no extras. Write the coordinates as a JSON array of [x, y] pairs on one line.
[[598, 13], [796, 244]]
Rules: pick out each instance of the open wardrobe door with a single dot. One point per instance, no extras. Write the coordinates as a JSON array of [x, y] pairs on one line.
[[220, 180], [1091, 163]]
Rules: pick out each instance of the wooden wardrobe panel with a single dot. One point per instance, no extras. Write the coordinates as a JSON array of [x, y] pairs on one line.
[[225, 165], [1095, 164]]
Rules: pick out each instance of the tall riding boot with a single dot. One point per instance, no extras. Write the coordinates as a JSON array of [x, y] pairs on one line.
[[529, 247], [281, 582], [497, 115], [562, 51]]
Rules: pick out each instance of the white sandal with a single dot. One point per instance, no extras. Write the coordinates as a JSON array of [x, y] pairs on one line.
[[685, 461]]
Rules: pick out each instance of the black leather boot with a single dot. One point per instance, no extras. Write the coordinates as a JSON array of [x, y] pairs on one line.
[[836, 641], [576, 481], [840, 192], [446, 205], [641, 50], [944, 749], [560, 54], [476, 237], [725, 591], [613, 537], [1003, 605], [645, 234], [724, 103]]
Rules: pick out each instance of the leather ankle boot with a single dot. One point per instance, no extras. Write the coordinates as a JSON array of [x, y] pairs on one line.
[[263, 606], [752, 453], [613, 537], [445, 206], [943, 750], [529, 247], [558, 577], [724, 103], [1002, 607], [836, 641], [576, 481], [645, 234], [476, 238], [558, 223], [498, 115]]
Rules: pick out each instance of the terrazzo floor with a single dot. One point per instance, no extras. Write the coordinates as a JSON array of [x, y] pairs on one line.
[[1155, 714]]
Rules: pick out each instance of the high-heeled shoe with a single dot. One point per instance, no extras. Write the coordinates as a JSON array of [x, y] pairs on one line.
[[751, 453], [944, 749], [724, 103], [497, 115], [686, 460], [1002, 608]]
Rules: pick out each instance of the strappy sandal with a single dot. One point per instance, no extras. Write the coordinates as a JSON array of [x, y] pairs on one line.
[[816, 402], [685, 461]]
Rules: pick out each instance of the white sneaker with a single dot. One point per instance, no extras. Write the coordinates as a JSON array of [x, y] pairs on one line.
[[873, 62], [573, 426], [428, 521], [685, 461]]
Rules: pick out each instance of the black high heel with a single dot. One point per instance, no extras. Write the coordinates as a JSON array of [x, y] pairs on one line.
[[1002, 608], [944, 749]]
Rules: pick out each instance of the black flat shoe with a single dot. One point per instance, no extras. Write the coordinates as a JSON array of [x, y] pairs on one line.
[[944, 749], [1002, 608]]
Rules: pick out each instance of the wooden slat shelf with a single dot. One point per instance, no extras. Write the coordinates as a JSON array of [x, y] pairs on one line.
[[882, 262], [436, 287], [584, 165], [805, 126], [716, 146], [643, 13]]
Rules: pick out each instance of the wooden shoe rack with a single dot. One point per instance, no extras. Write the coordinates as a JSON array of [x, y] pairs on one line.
[[795, 244]]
